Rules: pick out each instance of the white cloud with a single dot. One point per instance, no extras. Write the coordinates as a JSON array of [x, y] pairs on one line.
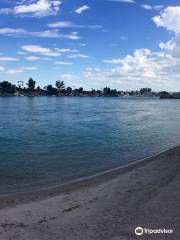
[[56, 52], [113, 61], [89, 69], [69, 24], [32, 58], [122, 1], [161, 69], [20, 70], [158, 70], [40, 8], [61, 24], [15, 32], [67, 77], [6, 10], [83, 45], [41, 50], [8, 59], [151, 7], [66, 50], [63, 63], [29, 68], [147, 7], [143, 67], [158, 7], [12, 31], [78, 56], [169, 19], [21, 53], [15, 71], [2, 68], [82, 9], [172, 46]]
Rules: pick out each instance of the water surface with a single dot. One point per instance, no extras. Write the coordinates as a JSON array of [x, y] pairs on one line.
[[50, 140]]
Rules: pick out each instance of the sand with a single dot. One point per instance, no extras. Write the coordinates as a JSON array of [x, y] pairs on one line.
[[104, 207]]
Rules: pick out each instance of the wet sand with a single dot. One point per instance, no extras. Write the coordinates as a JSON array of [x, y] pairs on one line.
[[103, 207]]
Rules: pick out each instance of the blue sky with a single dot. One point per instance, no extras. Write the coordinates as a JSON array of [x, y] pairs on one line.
[[124, 44]]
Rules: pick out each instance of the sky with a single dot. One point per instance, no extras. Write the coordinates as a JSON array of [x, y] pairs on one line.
[[123, 44]]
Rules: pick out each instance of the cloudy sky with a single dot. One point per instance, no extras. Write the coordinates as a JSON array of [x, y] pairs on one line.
[[124, 44]]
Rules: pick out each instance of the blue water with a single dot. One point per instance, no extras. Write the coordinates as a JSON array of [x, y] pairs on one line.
[[46, 141]]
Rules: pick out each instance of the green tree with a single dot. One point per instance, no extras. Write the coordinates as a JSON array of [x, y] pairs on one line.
[[31, 85], [51, 90], [145, 91], [93, 91], [60, 85], [107, 91], [80, 90], [7, 87], [20, 85], [69, 90]]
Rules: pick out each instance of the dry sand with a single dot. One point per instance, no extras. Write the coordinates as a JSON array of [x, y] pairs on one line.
[[104, 207]]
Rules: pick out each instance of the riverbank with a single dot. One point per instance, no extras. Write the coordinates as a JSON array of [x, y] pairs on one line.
[[106, 206]]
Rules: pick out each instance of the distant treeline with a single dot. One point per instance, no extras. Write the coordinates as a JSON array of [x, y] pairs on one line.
[[30, 89]]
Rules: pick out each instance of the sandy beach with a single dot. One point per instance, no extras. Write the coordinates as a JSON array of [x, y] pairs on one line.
[[107, 206]]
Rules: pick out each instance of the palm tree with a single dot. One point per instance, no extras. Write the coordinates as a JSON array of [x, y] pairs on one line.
[[60, 85]]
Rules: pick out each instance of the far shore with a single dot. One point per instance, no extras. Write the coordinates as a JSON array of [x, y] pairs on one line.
[[102, 207], [60, 89]]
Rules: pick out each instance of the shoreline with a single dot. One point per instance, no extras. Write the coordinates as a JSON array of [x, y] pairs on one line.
[[108, 206], [44, 192]]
